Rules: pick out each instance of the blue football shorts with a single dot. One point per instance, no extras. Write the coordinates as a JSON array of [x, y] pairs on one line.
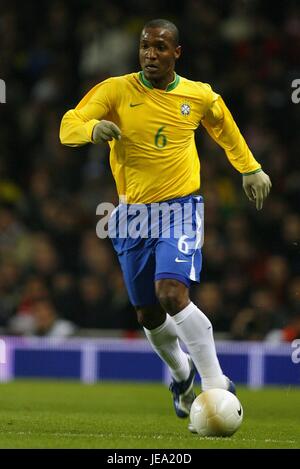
[[158, 241]]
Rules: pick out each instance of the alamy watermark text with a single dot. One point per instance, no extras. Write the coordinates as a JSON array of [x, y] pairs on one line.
[[2, 352], [296, 353], [2, 91], [155, 220], [296, 93]]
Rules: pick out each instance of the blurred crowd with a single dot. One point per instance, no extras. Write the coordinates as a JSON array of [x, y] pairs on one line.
[[56, 276]]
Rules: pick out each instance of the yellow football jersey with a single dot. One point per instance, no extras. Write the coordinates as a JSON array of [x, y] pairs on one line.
[[156, 158]]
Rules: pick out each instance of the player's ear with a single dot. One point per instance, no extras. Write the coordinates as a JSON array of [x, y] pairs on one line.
[[177, 52]]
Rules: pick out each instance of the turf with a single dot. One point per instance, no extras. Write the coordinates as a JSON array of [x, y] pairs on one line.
[[52, 414]]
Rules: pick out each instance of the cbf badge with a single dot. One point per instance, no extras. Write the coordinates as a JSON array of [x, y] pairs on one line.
[[185, 109]]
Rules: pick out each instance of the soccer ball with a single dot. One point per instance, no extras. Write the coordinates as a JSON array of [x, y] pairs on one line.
[[216, 412]]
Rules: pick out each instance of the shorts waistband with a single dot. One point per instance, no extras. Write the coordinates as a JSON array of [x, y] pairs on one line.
[[169, 201]]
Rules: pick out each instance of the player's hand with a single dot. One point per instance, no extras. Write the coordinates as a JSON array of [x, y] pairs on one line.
[[257, 187], [105, 131]]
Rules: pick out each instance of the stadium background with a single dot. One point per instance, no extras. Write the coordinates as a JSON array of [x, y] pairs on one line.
[[51, 54]]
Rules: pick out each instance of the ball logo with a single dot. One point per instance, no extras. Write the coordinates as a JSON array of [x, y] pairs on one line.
[[185, 109]]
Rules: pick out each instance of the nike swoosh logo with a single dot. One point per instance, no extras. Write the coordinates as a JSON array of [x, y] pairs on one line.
[[180, 260], [134, 105], [240, 411]]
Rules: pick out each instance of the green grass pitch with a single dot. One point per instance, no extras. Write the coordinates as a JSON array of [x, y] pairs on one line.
[[52, 414]]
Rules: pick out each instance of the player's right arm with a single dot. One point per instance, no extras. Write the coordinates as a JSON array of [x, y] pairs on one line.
[[85, 123]]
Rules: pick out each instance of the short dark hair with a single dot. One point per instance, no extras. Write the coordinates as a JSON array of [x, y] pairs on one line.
[[161, 23]]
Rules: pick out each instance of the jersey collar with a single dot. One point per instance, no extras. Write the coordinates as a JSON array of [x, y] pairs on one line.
[[170, 86]]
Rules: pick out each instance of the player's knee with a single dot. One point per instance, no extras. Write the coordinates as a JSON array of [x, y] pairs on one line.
[[172, 295], [150, 317], [142, 318]]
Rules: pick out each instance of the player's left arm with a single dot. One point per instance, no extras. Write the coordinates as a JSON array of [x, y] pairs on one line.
[[85, 123], [221, 126]]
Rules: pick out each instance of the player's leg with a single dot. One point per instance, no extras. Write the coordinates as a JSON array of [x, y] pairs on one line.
[[164, 341], [160, 330], [137, 261], [178, 263], [194, 329]]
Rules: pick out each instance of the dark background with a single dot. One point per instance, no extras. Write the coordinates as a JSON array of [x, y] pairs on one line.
[[51, 54]]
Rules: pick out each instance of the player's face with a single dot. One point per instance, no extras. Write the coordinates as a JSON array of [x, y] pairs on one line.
[[158, 54]]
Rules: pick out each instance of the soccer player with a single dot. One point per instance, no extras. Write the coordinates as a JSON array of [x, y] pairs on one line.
[[149, 119]]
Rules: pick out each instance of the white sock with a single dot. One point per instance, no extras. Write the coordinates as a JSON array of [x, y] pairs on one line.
[[165, 343], [195, 330]]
